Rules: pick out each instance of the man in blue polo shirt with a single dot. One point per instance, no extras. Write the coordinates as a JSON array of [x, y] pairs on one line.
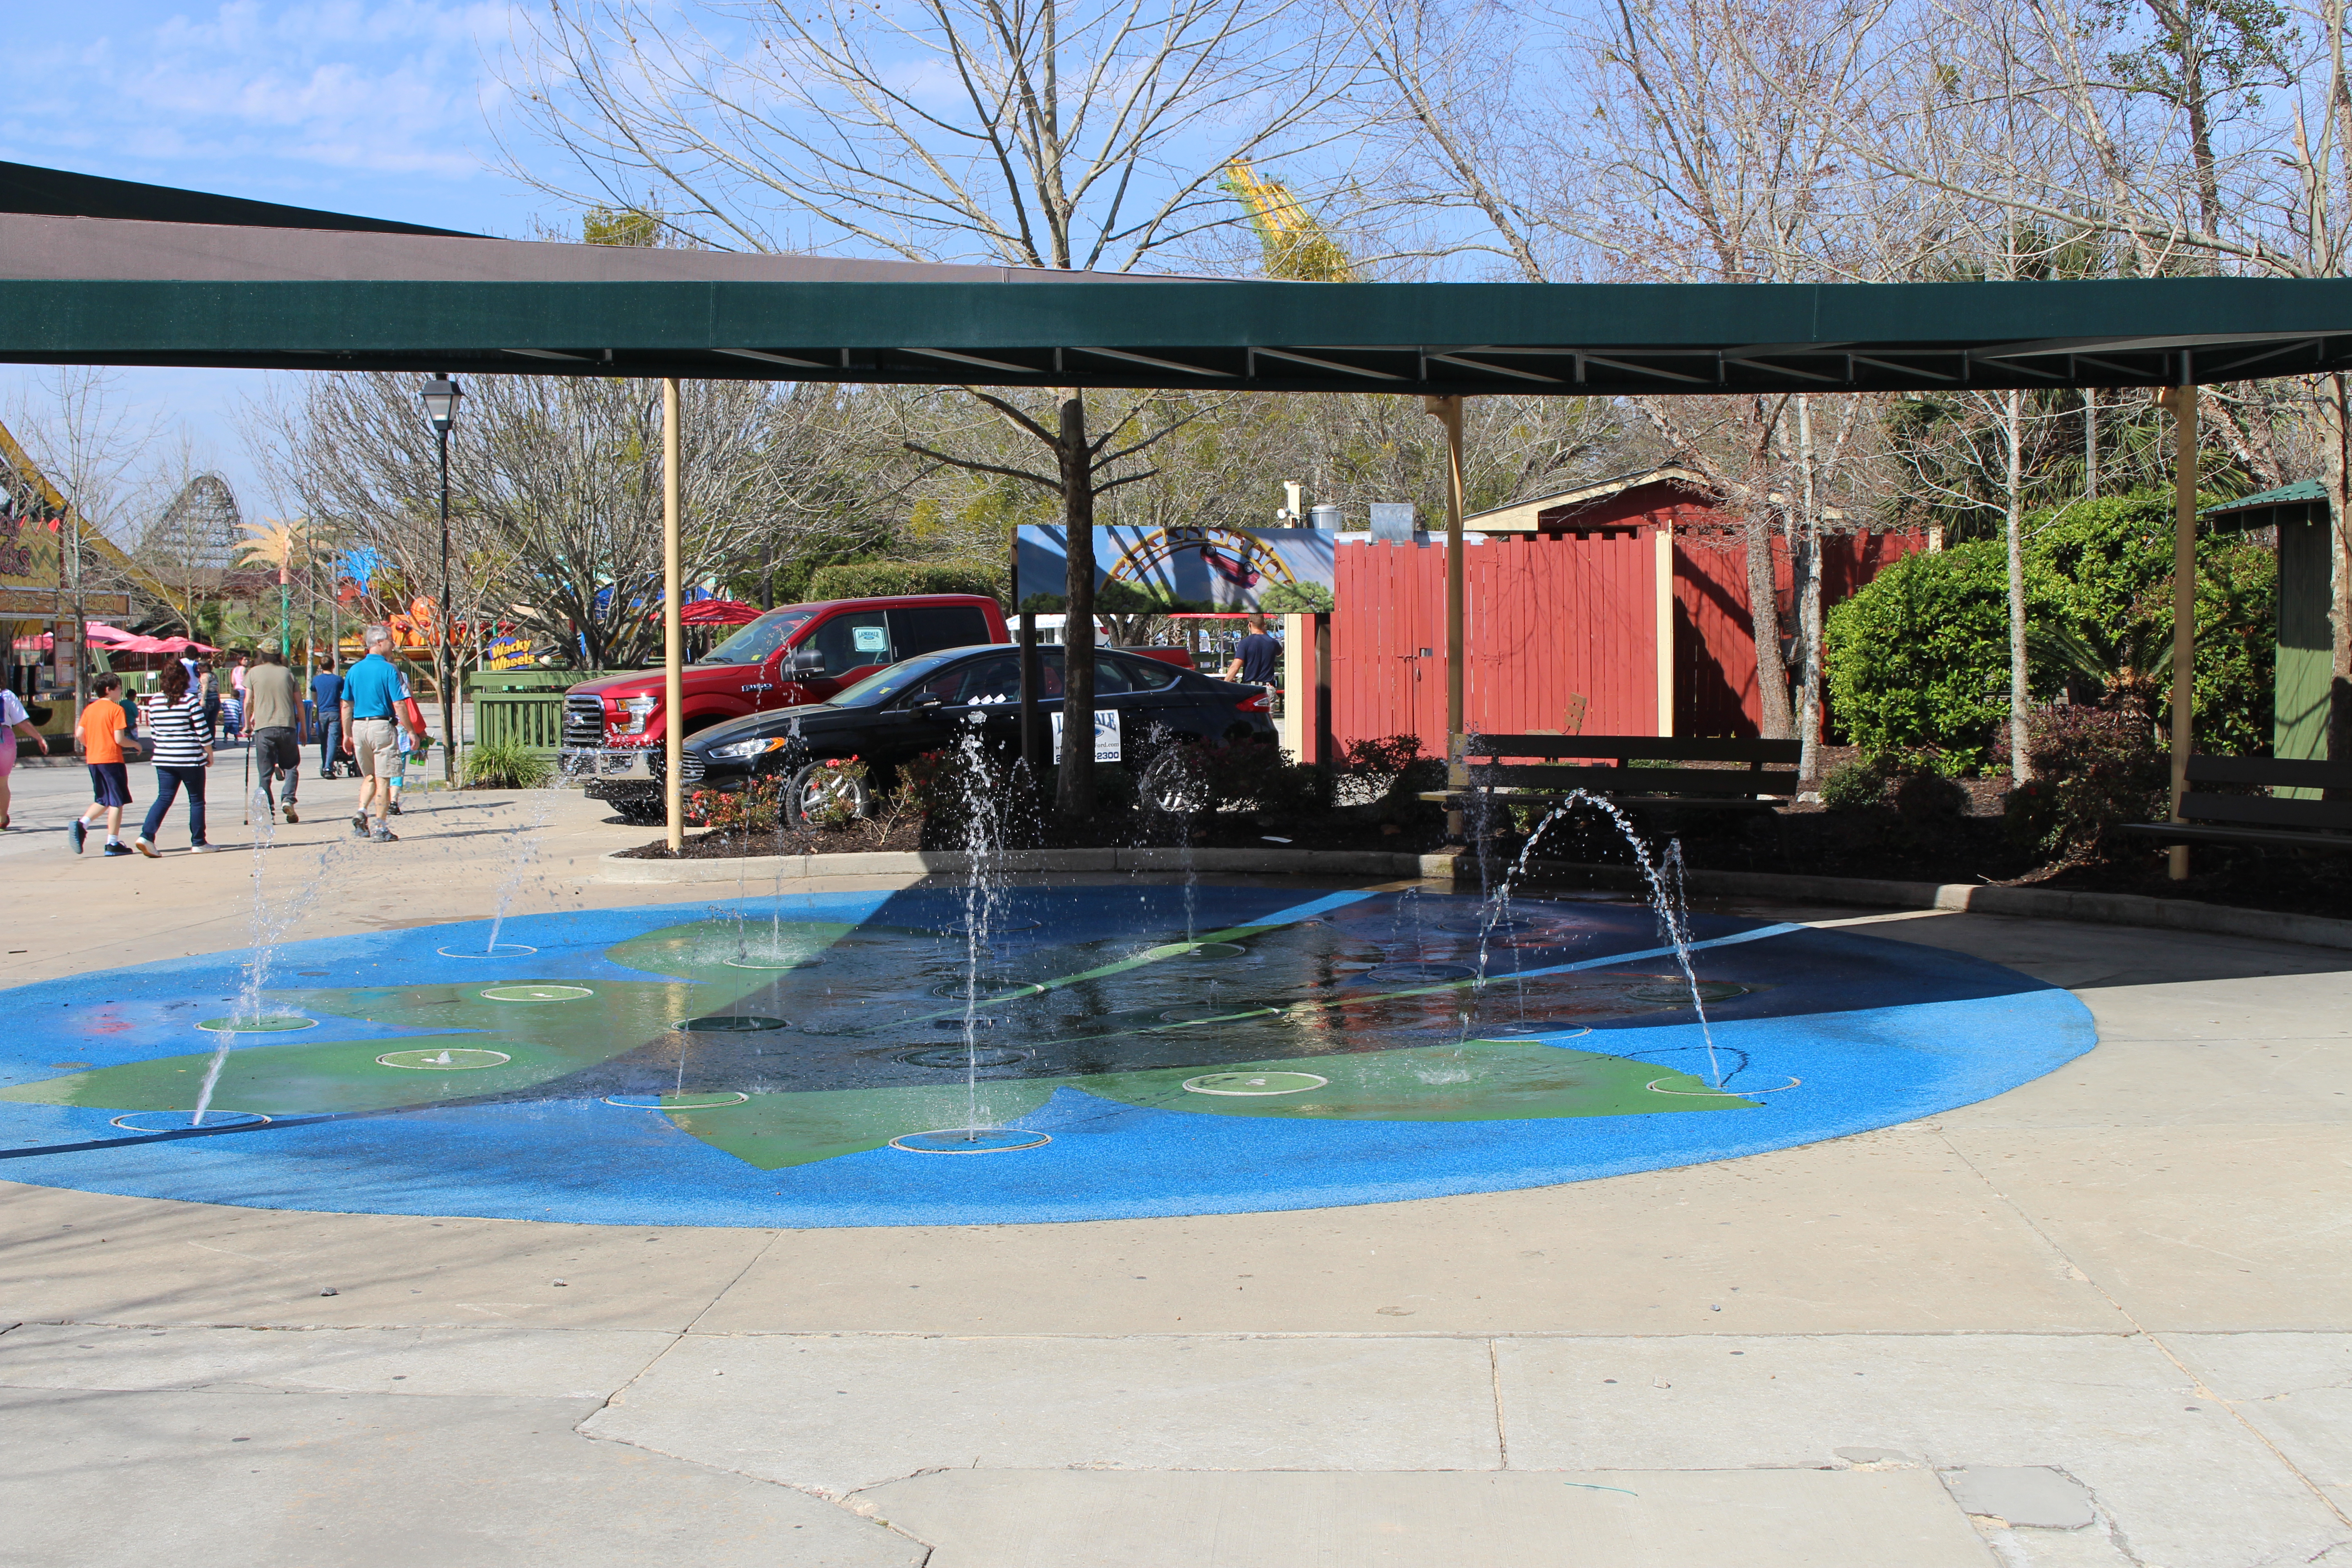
[[371, 732]]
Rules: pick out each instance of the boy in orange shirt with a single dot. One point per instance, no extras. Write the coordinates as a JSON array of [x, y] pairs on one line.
[[110, 781]]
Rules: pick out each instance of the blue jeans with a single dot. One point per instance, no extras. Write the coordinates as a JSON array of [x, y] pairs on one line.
[[168, 782], [331, 743]]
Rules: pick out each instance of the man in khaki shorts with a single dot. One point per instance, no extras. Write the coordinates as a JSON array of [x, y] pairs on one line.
[[371, 732]]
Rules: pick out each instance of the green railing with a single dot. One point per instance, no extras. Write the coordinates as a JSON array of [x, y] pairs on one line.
[[522, 707]]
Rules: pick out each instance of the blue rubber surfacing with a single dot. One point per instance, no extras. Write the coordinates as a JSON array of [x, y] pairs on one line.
[[1876, 1032]]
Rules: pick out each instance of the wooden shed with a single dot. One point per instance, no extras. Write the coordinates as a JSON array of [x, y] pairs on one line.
[[1620, 607]]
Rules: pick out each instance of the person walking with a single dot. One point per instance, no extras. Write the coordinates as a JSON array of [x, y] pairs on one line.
[[370, 703], [1257, 657], [14, 722], [100, 727], [184, 749], [208, 691], [273, 727], [327, 696]]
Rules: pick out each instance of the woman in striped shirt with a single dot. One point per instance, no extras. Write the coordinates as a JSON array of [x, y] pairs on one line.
[[176, 730]]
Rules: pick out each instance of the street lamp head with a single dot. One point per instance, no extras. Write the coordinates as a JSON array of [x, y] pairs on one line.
[[441, 398]]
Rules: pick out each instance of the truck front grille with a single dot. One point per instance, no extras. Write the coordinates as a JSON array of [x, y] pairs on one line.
[[584, 720]]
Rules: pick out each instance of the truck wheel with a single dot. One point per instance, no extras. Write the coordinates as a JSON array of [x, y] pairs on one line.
[[639, 812], [817, 795]]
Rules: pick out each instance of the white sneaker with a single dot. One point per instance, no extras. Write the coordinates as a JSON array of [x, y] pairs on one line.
[[200, 848], [145, 849]]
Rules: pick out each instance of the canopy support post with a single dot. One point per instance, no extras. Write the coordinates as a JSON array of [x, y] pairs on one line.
[[673, 631], [2183, 403], [1448, 411]]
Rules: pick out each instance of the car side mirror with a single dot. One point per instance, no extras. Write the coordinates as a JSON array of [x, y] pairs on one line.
[[804, 661], [926, 702]]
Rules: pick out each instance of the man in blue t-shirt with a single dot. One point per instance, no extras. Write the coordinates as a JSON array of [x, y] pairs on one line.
[[371, 711], [1257, 657], [327, 696]]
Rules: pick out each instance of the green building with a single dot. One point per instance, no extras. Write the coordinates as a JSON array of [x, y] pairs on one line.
[[2298, 513]]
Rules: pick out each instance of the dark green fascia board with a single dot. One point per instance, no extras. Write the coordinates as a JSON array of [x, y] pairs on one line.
[[1723, 337]]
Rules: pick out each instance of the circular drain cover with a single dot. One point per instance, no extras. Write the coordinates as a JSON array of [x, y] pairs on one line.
[[180, 1120], [957, 1057], [1526, 1026], [970, 1140], [1255, 1083], [982, 1021], [1679, 992], [728, 1024], [676, 1101], [257, 1026], [987, 988], [1212, 1012], [758, 961], [455, 1059], [1509, 925], [503, 949], [536, 992], [1417, 974], [1211, 951]]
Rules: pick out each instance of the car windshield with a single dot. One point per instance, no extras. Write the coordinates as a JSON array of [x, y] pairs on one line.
[[884, 684], [758, 639]]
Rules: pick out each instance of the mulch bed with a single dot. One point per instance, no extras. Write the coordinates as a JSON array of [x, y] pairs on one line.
[[1971, 846]]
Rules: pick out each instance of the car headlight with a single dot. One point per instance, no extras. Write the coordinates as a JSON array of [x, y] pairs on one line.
[[736, 751], [638, 709]]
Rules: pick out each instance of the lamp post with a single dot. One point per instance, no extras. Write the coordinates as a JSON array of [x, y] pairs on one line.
[[441, 396]]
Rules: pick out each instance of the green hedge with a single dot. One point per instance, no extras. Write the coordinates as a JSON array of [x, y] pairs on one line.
[[1919, 657], [885, 579]]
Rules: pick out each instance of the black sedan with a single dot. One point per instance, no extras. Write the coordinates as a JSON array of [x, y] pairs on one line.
[[1141, 706]]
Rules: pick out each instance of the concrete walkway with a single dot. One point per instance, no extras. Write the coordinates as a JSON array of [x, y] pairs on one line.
[[2102, 1320]]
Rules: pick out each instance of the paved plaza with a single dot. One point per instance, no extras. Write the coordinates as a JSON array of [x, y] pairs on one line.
[[2097, 1319]]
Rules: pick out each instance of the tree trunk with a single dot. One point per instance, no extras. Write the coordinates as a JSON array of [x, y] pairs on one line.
[[1764, 624], [1805, 583], [2012, 428], [1075, 784]]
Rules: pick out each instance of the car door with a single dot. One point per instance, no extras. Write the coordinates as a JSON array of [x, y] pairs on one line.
[[1113, 695], [1154, 706], [850, 646]]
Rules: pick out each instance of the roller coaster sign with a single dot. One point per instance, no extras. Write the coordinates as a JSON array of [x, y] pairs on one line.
[[1209, 567]]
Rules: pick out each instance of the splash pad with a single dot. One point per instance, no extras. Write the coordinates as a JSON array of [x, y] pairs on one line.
[[1297, 1050]]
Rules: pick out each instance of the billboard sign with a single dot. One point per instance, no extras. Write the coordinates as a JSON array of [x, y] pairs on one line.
[[1208, 567]]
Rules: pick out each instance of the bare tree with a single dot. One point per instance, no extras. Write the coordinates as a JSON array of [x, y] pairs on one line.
[[556, 512], [1045, 133], [90, 444]]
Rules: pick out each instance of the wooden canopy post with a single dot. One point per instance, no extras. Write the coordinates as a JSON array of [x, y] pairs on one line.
[[2183, 403], [1448, 411], [672, 630]]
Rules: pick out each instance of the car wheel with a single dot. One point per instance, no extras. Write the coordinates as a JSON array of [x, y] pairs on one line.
[[821, 795], [1176, 782]]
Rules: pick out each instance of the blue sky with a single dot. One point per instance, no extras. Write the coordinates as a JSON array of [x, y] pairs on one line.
[[378, 107]]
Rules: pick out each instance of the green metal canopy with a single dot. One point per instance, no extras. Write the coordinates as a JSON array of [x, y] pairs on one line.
[[92, 272]]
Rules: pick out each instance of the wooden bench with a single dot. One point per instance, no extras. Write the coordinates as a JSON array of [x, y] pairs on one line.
[[1770, 771], [2277, 822]]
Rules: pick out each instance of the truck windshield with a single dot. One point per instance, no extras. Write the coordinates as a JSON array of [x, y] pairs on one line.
[[884, 684], [758, 638]]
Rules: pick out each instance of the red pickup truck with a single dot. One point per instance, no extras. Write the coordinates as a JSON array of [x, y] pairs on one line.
[[614, 730]]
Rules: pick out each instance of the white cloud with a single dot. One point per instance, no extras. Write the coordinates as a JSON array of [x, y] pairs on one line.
[[283, 101]]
